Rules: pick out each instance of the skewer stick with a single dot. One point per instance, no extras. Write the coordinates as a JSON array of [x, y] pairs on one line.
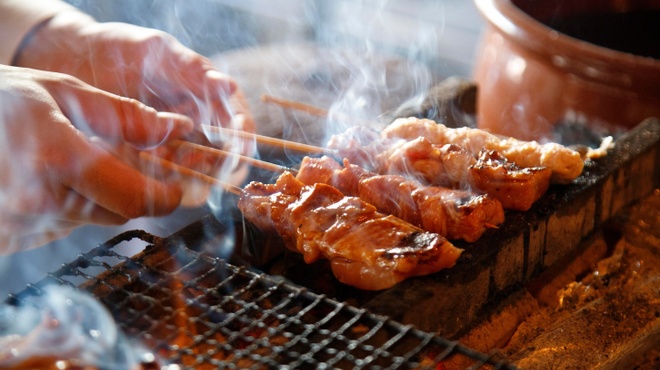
[[223, 153], [303, 107], [190, 173], [280, 143], [285, 103]]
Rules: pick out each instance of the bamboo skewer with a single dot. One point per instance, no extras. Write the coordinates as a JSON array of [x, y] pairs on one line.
[[321, 112], [286, 103], [190, 172], [216, 152], [223, 153], [280, 143]]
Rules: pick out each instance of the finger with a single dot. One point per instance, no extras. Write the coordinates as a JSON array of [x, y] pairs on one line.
[[233, 113], [198, 90], [116, 117], [240, 107], [45, 204], [139, 124], [195, 192], [211, 112], [27, 223], [71, 208], [172, 73], [13, 242], [203, 80], [42, 237], [121, 189], [221, 104], [218, 81], [125, 152], [208, 104], [77, 209], [197, 74], [50, 203]]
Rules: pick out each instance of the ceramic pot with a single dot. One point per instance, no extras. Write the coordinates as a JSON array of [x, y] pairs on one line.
[[530, 76]]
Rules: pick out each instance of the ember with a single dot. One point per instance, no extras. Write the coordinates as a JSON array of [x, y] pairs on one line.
[[529, 280], [201, 312]]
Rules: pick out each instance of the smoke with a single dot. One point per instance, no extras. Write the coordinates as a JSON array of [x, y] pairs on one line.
[[378, 34], [64, 326], [413, 32]]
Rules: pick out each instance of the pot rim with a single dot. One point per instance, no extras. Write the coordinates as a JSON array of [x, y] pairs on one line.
[[585, 59]]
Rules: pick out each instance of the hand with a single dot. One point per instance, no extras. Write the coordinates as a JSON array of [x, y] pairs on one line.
[[145, 64], [154, 68], [53, 177]]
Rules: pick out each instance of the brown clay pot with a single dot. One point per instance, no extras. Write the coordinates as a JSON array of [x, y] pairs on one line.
[[530, 76]]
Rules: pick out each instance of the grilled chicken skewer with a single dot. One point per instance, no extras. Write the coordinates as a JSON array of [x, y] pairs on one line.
[[516, 188], [447, 165], [366, 249], [517, 173], [455, 214], [565, 164]]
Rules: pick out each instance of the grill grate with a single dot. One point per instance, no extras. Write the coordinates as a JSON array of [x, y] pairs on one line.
[[202, 312]]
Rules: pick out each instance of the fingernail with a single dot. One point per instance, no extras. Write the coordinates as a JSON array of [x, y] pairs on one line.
[[181, 124], [215, 75], [237, 121]]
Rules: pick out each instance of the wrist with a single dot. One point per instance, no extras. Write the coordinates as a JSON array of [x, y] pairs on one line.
[[57, 35]]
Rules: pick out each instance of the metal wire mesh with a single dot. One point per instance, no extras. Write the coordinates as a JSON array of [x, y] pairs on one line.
[[201, 312]]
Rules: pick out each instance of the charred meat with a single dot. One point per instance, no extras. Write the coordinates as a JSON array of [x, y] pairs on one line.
[[455, 214], [366, 249], [565, 164]]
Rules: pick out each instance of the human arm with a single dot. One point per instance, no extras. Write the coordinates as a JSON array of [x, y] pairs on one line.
[[141, 63], [19, 17], [53, 176], [121, 62]]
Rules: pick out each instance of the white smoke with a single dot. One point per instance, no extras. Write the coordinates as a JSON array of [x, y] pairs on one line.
[[417, 31], [64, 325]]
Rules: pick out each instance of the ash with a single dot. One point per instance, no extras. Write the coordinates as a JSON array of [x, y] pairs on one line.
[[599, 311]]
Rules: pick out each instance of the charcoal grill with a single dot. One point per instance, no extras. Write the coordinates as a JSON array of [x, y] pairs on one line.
[[261, 309], [200, 311]]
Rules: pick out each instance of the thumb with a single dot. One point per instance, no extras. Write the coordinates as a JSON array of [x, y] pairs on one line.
[[119, 118]]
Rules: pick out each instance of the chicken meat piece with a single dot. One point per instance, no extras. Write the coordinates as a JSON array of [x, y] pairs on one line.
[[361, 145], [516, 188], [420, 159], [565, 163], [455, 214], [366, 249], [321, 169], [455, 167]]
